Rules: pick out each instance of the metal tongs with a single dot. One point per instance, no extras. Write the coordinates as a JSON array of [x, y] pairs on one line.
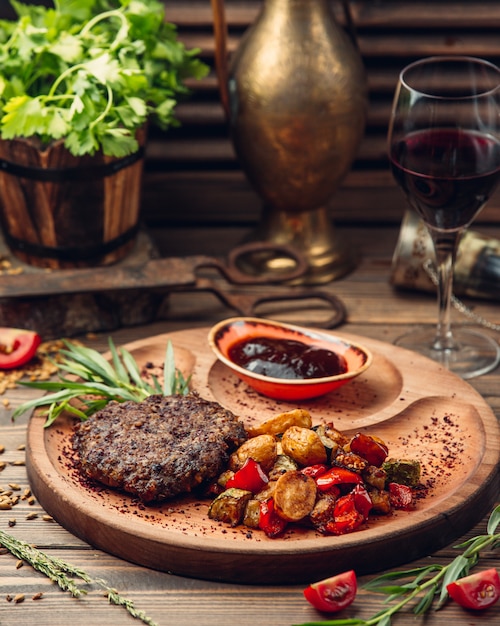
[[182, 274], [246, 303]]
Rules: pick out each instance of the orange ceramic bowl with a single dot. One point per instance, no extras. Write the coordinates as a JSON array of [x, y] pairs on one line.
[[225, 334]]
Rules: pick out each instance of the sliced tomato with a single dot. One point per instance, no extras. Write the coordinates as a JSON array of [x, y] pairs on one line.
[[17, 347], [477, 591], [372, 450], [250, 477], [333, 594]]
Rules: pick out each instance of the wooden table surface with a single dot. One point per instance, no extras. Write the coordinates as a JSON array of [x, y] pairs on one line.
[[374, 310]]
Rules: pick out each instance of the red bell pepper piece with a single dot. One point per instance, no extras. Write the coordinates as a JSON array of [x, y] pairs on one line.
[[346, 516], [401, 496], [337, 476], [314, 471], [362, 500], [17, 347], [373, 451], [250, 477], [269, 521]]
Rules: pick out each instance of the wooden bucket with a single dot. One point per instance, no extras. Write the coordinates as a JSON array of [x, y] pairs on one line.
[[61, 211]]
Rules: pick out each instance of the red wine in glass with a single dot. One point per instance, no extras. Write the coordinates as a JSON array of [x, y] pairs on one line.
[[448, 174], [444, 151]]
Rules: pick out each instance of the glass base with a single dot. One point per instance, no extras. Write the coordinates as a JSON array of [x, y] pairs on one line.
[[473, 354]]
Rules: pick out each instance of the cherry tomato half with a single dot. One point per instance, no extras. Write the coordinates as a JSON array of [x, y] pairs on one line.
[[17, 347], [333, 594], [477, 591], [401, 497]]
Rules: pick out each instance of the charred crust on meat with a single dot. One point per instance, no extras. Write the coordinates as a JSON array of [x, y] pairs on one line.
[[158, 448]]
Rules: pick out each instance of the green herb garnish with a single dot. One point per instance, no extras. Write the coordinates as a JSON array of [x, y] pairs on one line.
[[64, 574], [91, 72], [95, 382], [423, 588]]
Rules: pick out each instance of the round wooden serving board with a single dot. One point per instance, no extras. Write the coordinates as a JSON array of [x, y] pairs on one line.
[[421, 411]]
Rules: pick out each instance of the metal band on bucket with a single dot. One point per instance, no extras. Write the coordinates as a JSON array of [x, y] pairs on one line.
[[66, 174], [72, 254]]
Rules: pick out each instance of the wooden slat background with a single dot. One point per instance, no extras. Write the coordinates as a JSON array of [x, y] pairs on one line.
[[192, 176]]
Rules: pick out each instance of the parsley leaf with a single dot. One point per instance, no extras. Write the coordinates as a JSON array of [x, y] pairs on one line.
[[91, 72]]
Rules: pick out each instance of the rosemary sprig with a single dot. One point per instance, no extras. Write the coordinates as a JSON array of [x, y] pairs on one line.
[[62, 574], [97, 381], [53, 568], [115, 598], [425, 587]]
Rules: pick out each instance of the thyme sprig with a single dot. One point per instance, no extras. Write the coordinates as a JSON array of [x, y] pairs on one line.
[[95, 382], [64, 574], [425, 587]]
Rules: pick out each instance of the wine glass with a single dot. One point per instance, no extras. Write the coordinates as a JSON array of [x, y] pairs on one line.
[[444, 150]]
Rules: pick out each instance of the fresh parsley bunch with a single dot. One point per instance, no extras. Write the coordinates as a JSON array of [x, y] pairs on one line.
[[91, 73]]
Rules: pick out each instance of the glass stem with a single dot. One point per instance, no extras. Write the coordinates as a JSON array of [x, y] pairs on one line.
[[445, 248]]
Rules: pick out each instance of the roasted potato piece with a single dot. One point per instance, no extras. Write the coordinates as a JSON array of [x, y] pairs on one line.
[[283, 464], [267, 492], [331, 447], [251, 516], [303, 445], [262, 449], [294, 496], [229, 506], [277, 424], [332, 438]]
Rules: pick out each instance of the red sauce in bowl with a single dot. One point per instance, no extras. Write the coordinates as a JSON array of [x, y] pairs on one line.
[[286, 358]]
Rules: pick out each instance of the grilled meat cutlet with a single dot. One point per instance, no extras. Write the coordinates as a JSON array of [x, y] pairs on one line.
[[158, 448]]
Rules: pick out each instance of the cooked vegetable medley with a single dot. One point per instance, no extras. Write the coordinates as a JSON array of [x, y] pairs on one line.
[[290, 471]]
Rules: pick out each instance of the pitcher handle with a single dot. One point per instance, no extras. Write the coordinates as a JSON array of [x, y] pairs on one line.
[[221, 53], [350, 27]]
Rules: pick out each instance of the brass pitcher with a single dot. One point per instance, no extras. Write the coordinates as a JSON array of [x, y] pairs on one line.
[[295, 96]]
